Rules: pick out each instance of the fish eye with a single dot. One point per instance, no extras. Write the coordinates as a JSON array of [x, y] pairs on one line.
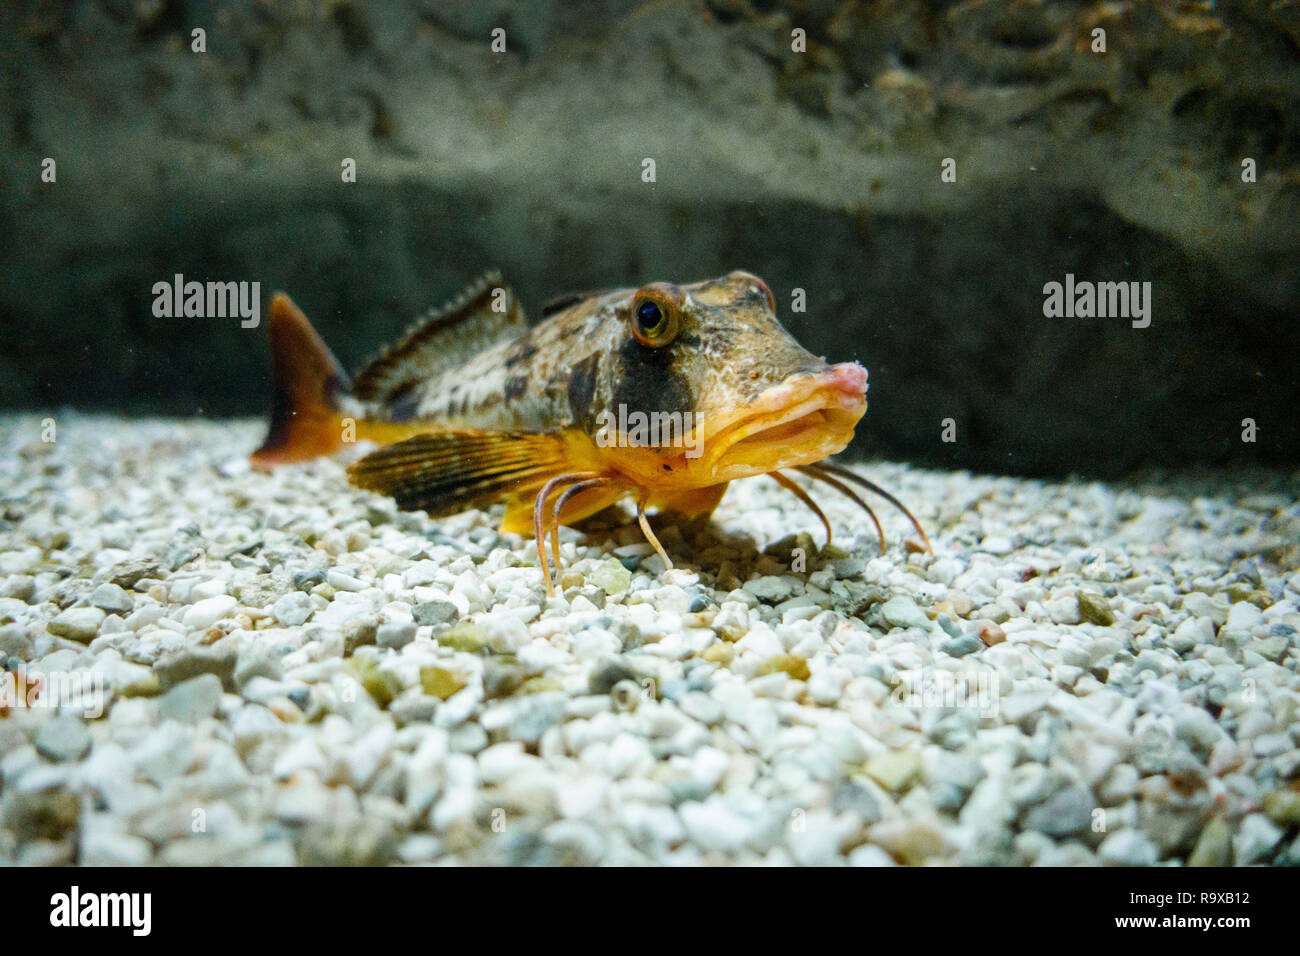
[[648, 316], [655, 318]]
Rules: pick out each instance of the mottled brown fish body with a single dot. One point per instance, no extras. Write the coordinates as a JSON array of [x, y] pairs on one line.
[[476, 407]]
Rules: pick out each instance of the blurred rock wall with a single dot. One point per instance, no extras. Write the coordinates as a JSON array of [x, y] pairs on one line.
[[819, 170]]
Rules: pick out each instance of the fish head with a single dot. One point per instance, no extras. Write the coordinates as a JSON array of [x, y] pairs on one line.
[[712, 360]]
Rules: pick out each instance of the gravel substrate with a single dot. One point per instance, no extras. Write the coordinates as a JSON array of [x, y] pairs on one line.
[[292, 671]]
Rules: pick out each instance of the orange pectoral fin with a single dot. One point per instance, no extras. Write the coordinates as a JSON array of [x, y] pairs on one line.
[[449, 470], [306, 381]]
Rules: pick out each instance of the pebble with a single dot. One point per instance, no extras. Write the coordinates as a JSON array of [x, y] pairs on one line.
[[1064, 814], [536, 714], [111, 599], [605, 676], [293, 609], [713, 825], [1244, 616], [1213, 846], [343, 581], [395, 635], [850, 797], [308, 579], [870, 855], [901, 611], [208, 611], [1094, 609], [771, 589], [894, 770], [1203, 605], [338, 681], [610, 576], [435, 613], [1282, 807], [63, 738], [100, 847], [79, 624], [1128, 848], [961, 646], [1257, 837], [179, 666], [256, 662], [700, 706], [192, 700]]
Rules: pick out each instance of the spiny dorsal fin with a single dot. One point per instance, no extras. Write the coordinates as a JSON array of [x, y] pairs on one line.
[[443, 339]]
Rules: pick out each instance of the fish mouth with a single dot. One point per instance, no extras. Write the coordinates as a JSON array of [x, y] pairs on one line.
[[808, 417]]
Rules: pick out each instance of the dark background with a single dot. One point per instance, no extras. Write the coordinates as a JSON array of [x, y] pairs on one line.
[[817, 170]]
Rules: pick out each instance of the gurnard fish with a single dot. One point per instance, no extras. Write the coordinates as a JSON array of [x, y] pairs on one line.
[[474, 407]]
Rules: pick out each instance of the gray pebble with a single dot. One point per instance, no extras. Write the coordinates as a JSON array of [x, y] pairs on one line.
[[950, 627], [306, 580], [535, 715], [848, 567], [961, 646], [435, 613], [179, 666], [901, 611], [256, 662], [947, 797], [606, 675], [111, 599], [772, 588], [1066, 813], [395, 635], [191, 701], [850, 797], [179, 555], [63, 738], [126, 574]]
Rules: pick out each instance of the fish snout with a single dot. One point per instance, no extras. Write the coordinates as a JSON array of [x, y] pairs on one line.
[[847, 380], [848, 377]]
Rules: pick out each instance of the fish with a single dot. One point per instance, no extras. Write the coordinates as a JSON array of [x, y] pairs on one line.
[[663, 393]]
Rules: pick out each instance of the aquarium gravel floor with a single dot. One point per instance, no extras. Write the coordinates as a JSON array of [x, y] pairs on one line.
[[292, 671]]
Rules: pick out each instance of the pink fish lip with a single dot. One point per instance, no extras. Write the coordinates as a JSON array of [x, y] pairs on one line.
[[849, 377], [805, 418], [844, 385]]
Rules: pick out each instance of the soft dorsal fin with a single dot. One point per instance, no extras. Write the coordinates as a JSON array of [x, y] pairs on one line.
[[443, 339]]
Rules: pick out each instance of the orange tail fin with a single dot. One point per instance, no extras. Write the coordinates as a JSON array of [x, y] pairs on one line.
[[306, 381]]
